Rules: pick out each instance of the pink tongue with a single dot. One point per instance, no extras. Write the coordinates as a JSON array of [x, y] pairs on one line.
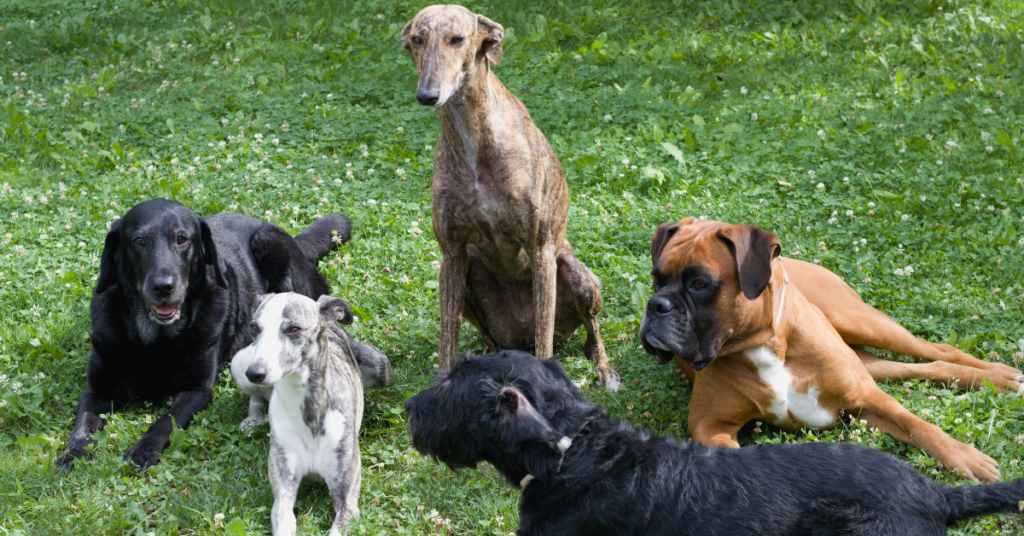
[[165, 309]]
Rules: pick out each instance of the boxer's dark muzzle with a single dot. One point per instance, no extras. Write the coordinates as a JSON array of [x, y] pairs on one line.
[[668, 329]]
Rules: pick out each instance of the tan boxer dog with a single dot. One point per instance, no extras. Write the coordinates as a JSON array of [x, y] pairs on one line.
[[499, 201], [765, 337]]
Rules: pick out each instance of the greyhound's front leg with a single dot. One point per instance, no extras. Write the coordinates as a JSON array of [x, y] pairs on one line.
[[452, 287], [544, 284]]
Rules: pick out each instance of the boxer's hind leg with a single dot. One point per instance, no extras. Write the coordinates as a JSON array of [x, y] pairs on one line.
[[581, 292], [884, 412], [941, 372]]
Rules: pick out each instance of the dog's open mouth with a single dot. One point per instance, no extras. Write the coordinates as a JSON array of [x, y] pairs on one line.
[[164, 313]]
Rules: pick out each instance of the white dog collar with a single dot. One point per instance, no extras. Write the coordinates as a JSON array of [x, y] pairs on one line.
[[563, 445]]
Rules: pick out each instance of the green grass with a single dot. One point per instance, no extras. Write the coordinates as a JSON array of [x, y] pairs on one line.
[[869, 135]]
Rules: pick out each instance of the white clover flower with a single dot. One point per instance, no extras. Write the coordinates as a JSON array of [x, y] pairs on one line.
[[753, 116], [820, 186], [849, 213], [401, 130], [905, 217], [577, 57], [988, 110], [989, 149], [371, 202], [824, 53], [625, 161], [400, 172], [767, 97], [871, 204], [607, 118], [743, 90]]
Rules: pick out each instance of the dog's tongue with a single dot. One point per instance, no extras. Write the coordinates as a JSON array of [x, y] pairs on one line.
[[165, 309]]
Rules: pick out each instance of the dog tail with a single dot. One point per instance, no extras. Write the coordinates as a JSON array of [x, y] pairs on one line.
[[971, 501], [323, 235]]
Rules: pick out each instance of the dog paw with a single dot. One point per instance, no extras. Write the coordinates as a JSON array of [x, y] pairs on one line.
[[142, 456], [66, 462], [971, 463], [610, 380], [251, 422]]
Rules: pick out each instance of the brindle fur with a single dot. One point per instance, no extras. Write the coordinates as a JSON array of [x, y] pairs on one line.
[[500, 201]]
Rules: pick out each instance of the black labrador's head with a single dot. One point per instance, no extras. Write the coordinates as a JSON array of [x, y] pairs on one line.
[[508, 408], [157, 253], [709, 282]]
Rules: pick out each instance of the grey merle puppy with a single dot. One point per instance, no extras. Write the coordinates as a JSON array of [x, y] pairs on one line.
[[317, 402]]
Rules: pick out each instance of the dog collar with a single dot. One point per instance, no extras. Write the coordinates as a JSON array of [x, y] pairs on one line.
[[563, 445], [782, 295]]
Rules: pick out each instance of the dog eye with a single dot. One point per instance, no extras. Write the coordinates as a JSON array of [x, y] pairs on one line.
[[293, 330], [182, 240], [254, 328], [457, 40], [139, 242], [417, 40], [698, 285]]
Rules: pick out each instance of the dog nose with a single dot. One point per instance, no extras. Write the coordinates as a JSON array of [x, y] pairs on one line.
[[163, 285], [256, 373], [659, 305], [427, 97]]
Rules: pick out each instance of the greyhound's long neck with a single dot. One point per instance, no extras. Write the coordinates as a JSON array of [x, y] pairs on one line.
[[471, 118]]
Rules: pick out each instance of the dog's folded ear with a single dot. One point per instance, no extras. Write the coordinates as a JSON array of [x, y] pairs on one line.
[[260, 300], [335, 310], [110, 259], [210, 253], [405, 36], [521, 422], [754, 250], [493, 38]]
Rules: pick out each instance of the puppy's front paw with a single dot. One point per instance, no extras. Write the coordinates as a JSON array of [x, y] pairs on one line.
[[142, 456]]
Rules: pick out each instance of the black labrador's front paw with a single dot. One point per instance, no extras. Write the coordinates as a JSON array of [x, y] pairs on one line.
[[75, 450], [142, 456]]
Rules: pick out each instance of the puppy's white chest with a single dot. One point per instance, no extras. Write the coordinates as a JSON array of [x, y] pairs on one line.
[[788, 404]]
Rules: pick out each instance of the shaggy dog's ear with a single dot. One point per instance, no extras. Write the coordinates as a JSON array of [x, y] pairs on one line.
[[210, 253], [335, 310], [525, 434], [110, 259]]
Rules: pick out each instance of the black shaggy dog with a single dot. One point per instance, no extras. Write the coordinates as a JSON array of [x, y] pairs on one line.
[[172, 305], [585, 474]]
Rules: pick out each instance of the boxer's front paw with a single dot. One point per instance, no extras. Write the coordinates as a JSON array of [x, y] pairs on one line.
[[970, 462]]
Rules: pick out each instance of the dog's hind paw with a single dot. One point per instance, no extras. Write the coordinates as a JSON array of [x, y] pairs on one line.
[[610, 380], [250, 423], [143, 457]]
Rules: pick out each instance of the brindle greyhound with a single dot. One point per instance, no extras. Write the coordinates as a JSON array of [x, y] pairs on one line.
[[500, 201]]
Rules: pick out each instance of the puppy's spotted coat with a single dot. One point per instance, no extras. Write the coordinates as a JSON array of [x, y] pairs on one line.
[[317, 402]]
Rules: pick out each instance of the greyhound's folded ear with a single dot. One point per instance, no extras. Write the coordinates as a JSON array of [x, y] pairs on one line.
[[405, 36], [110, 259], [335, 310], [494, 36], [210, 253], [754, 250]]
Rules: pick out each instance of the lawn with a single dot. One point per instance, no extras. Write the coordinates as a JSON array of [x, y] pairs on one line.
[[880, 138]]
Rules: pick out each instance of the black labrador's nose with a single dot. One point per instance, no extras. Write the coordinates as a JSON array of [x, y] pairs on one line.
[[163, 285], [659, 305], [256, 373], [427, 97]]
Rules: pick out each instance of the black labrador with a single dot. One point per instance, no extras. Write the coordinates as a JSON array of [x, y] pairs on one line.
[[583, 473], [172, 304]]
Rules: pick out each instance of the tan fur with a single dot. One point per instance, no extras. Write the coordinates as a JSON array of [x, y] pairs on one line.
[[500, 201], [822, 323]]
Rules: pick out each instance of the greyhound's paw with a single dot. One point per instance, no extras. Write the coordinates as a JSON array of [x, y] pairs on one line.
[[610, 379], [251, 422], [142, 456], [971, 463]]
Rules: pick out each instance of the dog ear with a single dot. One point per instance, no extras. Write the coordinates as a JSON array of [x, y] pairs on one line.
[[662, 235], [754, 250], [405, 36], [210, 253], [522, 423], [110, 259], [495, 36], [335, 310], [260, 300]]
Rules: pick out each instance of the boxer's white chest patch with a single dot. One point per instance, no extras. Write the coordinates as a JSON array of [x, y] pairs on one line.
[[788, 402]]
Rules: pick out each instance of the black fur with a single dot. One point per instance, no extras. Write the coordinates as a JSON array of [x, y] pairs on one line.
[[207, 272], [510, 410]]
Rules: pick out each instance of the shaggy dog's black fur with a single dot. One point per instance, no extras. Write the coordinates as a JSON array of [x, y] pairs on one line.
[[172, 305], [512, 410]]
